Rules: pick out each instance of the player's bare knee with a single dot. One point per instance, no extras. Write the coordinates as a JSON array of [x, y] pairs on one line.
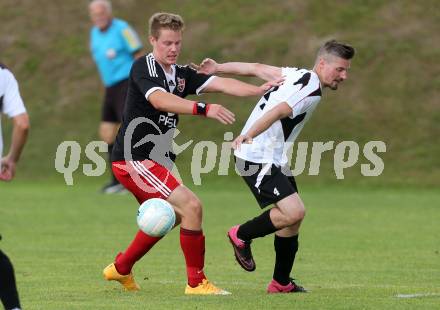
[[193, 207], [295, 215], [107, 138], [290, 219], [301, 212], [107, 133]]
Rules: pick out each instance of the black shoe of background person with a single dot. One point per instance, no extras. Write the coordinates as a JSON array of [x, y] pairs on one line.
[[113, 188]]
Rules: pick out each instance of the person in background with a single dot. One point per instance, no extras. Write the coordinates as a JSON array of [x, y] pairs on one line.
[[114, 46]]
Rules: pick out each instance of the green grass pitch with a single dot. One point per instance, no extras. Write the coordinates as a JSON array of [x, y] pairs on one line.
[[359, 249]]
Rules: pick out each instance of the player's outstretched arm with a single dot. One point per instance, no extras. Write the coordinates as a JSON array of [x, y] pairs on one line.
[[238, 88], [265, 72], [278, 112], [167, 102], [19, 135]]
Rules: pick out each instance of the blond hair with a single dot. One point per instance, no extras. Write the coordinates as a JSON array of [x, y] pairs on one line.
[[165, 21]]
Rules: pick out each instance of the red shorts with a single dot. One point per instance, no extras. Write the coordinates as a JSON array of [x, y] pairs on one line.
[[145, 179]]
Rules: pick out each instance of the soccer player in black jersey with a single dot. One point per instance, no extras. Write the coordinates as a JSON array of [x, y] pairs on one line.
[[142, 155]]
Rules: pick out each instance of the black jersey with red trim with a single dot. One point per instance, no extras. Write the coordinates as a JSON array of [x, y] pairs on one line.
[[145, 132]]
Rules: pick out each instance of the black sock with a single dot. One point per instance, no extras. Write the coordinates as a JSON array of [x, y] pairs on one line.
[[110, 150], [285, 250], [8, 289], [259, 226]]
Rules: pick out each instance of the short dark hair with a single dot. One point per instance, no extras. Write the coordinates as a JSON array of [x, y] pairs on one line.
[[338, 49]]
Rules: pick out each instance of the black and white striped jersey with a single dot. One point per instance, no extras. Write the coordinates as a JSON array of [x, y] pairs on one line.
[[302, 92], [155, 128]]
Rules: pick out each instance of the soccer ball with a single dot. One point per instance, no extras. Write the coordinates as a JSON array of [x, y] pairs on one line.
[[156, 217]]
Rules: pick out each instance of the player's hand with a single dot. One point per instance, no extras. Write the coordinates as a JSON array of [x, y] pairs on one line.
[[7, 172], [274, 83], [208, 66], [221, 114], [236, 144]]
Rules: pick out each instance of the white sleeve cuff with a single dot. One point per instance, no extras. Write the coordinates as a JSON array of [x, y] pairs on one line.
[[17, 112], [152, 90], [12, 103], [200, 89]]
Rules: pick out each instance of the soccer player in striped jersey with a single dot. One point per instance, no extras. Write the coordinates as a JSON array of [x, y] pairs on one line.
[[260, 153], [142, 156]]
